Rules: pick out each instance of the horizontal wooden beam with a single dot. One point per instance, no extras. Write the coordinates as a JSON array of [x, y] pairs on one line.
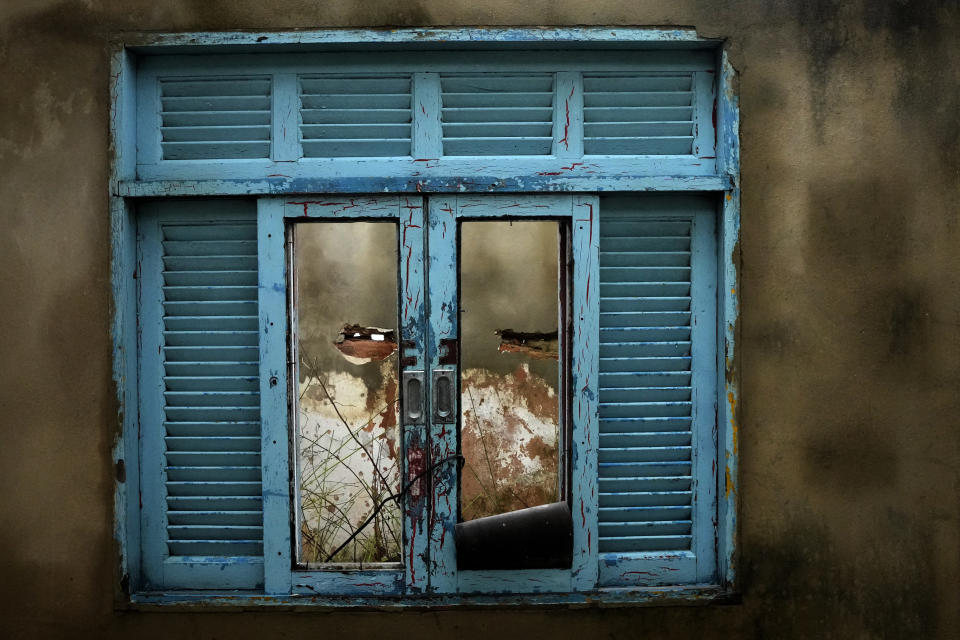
[[625, 37], [451, 184]]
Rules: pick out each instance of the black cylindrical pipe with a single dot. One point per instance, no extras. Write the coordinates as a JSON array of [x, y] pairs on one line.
[[534, 538]]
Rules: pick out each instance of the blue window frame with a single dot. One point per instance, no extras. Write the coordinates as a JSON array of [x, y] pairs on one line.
[[486, 133]]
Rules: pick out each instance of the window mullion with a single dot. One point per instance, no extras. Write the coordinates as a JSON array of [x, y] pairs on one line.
[[703, 295], [704, 99], [148, 119], [585, 390], [568, 115], [443, 327], [285, 119], [427, 132], [271, 261], [412, 311]]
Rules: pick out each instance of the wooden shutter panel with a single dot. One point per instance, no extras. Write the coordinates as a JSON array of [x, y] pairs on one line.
[[497, 114], [657, 364], [200, 404], [214, 118], [363, 116]]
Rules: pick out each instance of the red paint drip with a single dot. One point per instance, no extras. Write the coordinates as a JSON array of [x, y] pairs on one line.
[[573, 165], [566, 127], [409, 255], [411, 207]]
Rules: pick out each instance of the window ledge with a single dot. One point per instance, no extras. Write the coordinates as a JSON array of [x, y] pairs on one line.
[[603, 598]]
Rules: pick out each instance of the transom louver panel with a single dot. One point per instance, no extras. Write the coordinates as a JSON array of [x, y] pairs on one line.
[[638, 114], [355, 116], [497, 114], [211, 390], [215, 118], [645, 463]]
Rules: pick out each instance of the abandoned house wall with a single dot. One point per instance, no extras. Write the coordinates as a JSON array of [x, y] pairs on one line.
[[849, 334]]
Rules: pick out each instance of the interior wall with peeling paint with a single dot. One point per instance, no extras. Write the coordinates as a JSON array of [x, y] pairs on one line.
[[849, 337]]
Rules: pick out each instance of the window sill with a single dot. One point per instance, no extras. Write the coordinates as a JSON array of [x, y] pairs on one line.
[[175, 601]]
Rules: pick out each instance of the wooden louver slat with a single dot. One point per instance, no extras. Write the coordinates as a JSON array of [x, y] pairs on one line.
[[497, 115], [211, 390], [638, 114], [215, 118], [645, 456], [362, 116]]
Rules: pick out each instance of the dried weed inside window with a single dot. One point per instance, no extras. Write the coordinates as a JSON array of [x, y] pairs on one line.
[[349, 444]]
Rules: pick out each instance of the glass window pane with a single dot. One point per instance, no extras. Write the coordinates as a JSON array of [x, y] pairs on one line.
[[509, 402], [349, 447]]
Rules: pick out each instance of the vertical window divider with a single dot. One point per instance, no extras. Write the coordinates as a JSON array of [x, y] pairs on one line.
[[728, 368], [285, 118], [149, 123], [412, 312], [272, 287], [585, 391], [703, 296], [426, 106], [704, 98], [443, 320], [568, 114], [153, 522]]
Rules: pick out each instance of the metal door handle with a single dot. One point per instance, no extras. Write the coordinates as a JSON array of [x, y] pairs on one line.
[[412, 398], [444, 386]]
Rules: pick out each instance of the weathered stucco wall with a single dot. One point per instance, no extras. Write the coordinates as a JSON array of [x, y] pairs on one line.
[[850, 346]]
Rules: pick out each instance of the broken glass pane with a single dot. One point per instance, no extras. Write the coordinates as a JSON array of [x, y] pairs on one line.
[[349, 446], [509, 405]]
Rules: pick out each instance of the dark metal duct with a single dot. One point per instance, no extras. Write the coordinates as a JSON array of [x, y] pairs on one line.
[[534, 538]]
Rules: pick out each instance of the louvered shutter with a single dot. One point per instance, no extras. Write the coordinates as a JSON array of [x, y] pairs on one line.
[[364, 116], [200, 398], [657, 363], [631, 114], [214, 118], [497, 114]]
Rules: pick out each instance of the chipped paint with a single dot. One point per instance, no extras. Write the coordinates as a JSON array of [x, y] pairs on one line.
[[733, 420], [552, 180]]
